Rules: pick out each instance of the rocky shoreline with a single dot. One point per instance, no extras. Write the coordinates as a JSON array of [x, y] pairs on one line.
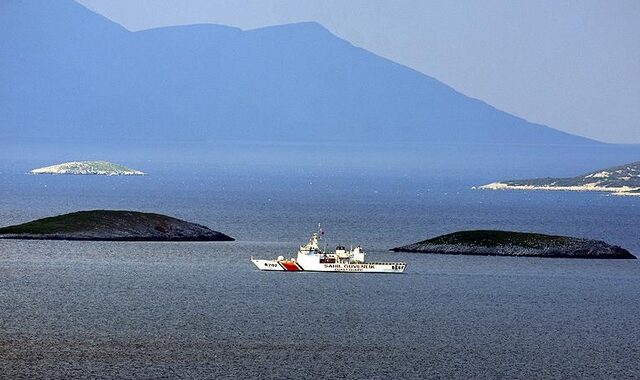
[[112, 225], [619, 180], [508, 243], [627, 191]]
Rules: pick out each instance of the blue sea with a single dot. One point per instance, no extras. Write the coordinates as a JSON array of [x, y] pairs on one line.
[[201, 310]]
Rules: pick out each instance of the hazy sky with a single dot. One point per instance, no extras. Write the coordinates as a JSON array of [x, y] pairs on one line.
[[572, 65]]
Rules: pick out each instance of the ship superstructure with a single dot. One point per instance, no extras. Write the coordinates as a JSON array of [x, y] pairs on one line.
[[311, 258]]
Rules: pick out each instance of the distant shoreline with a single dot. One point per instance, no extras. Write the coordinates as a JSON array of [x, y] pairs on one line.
[[627, 191]]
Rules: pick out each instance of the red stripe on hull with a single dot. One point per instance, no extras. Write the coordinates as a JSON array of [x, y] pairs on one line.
[[290, 265]]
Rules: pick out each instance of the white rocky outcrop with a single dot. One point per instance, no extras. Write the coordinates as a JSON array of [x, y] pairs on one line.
[[88, 168]]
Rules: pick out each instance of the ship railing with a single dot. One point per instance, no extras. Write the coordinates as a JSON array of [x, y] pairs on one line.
[[387, 263]]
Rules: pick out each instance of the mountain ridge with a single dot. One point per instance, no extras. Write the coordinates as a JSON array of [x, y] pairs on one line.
[[293, 82]]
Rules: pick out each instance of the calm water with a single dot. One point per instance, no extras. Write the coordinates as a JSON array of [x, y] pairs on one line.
[[199, 310]]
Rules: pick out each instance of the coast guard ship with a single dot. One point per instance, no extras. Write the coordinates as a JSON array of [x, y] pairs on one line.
[[311, 258]]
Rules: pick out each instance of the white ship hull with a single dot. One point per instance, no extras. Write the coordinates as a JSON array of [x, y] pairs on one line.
[[293, 266]]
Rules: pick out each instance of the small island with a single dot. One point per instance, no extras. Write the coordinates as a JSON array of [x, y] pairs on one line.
[[112, 225], [619, 180], [88, 168], [508, 243]]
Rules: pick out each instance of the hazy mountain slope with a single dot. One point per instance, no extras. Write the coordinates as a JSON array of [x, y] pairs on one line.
[[67, 71]]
